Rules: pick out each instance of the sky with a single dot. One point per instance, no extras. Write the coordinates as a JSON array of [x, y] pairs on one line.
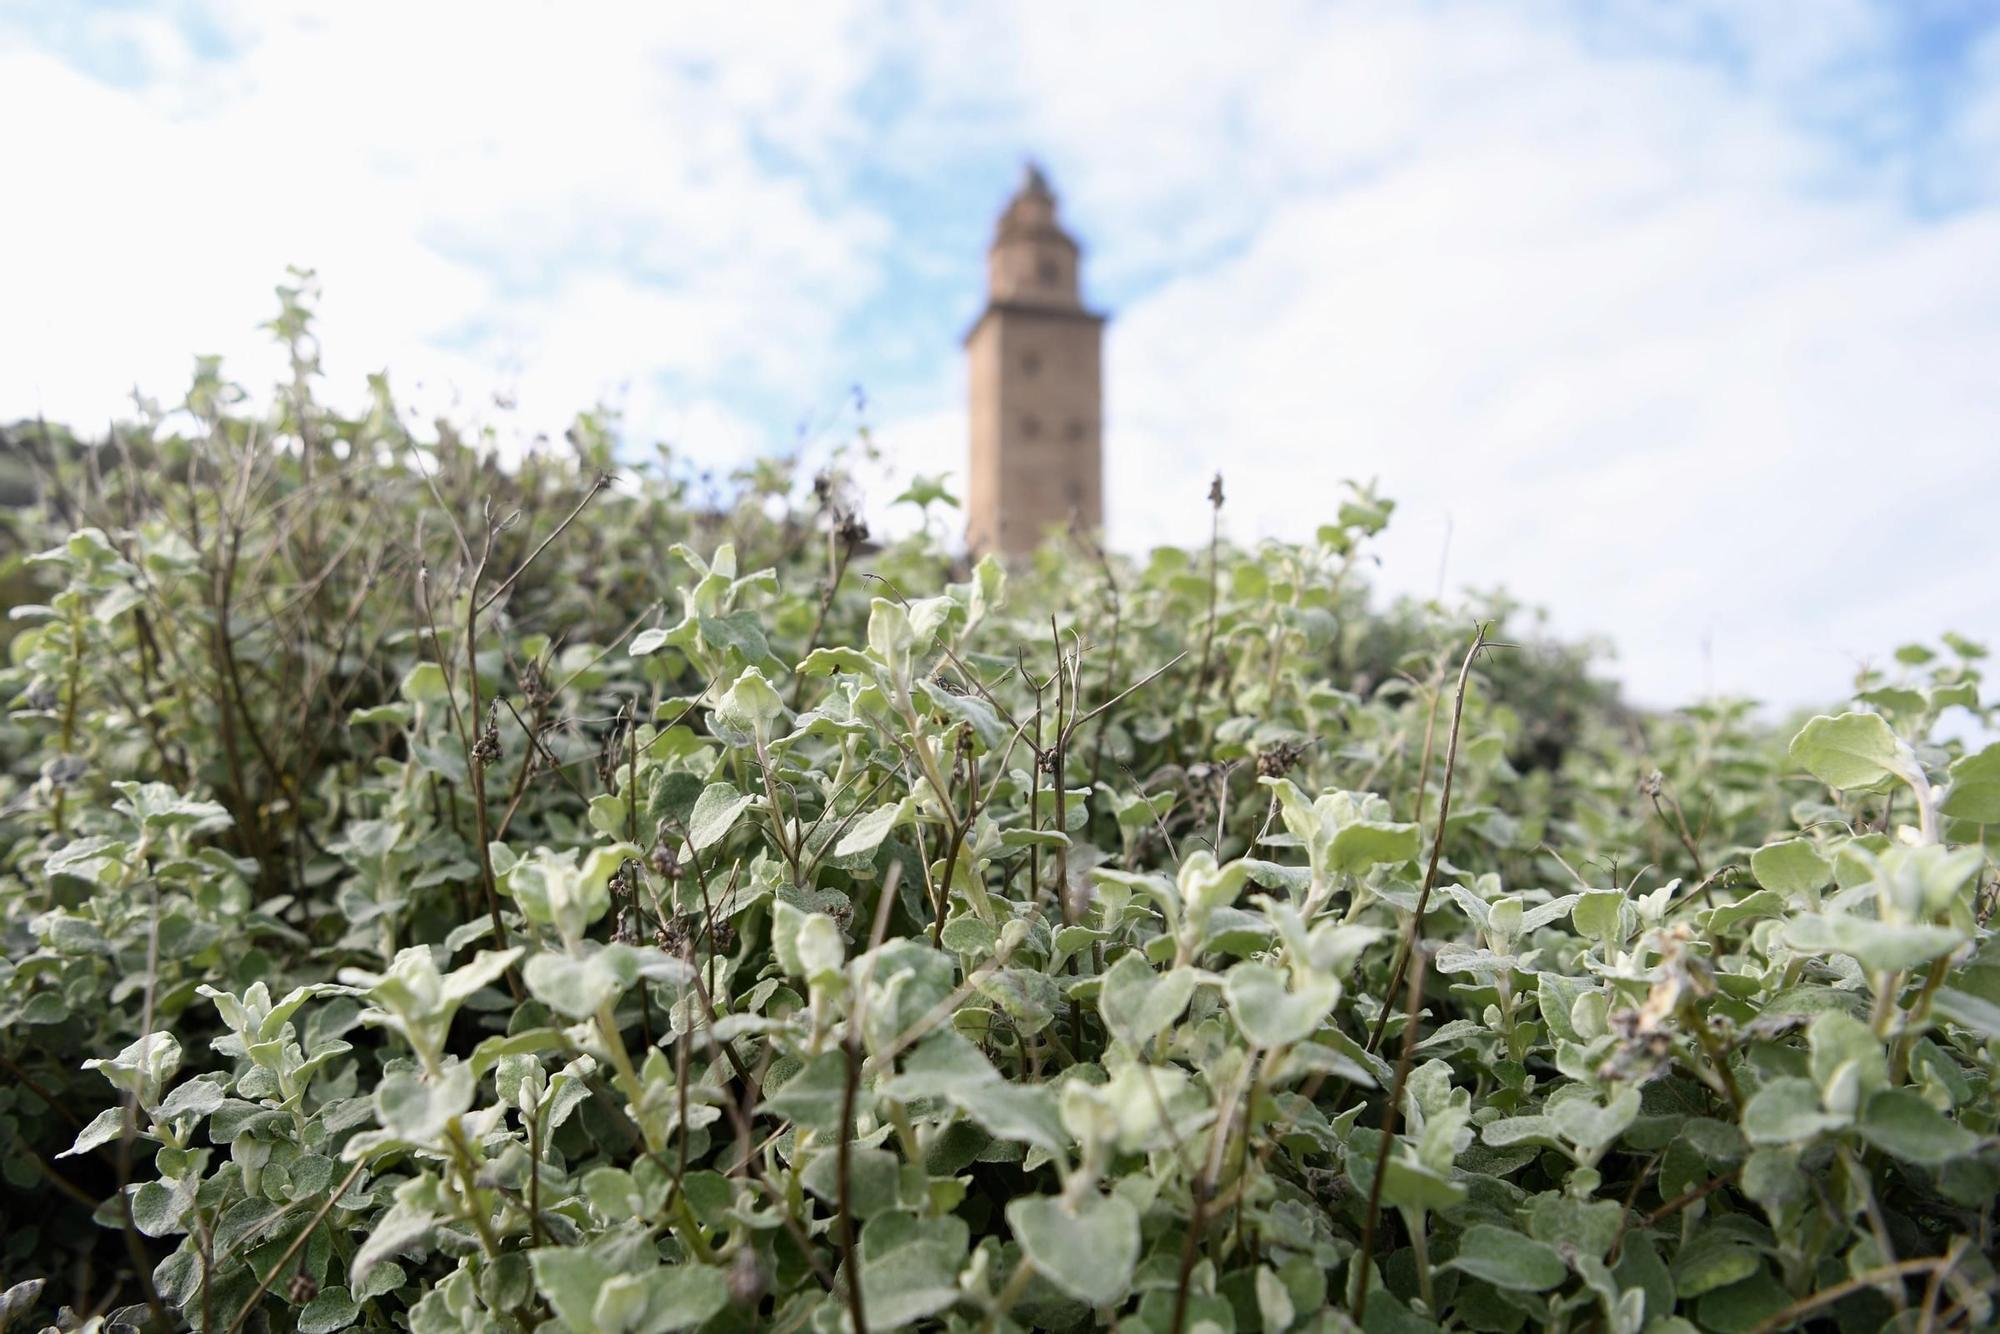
[[1680, 320]]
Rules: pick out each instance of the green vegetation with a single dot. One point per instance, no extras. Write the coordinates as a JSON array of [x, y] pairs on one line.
[[452, 897]]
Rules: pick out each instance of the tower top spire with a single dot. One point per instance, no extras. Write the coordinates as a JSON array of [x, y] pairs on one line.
[[1033, 260]]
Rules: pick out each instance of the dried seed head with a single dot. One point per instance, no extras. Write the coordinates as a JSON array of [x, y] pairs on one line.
[[534, 687], [665, 861], [301, 1289], [1279, 760], [486, 750]]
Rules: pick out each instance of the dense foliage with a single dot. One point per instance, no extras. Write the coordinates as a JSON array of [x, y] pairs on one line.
[[448, 896]]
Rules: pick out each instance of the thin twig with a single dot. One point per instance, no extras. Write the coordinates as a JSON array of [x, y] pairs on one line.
[[603, 480], [1389, 1114], [305, 1232], [1414, 933], [1214, 582], [1932, 1264]]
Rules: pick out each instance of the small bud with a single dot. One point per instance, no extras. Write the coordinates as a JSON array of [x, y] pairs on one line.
[[746, 1278]]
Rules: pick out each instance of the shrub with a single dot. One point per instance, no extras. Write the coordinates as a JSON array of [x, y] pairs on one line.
[[456, 897]]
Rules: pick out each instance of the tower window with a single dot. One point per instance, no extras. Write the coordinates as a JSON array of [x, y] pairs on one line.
[[1031, 426], [1051, 273], [1031, 363], [1074, 431]]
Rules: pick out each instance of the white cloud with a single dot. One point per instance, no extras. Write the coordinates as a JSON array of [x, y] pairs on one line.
[[1618, 325], [1643, 303], [559, 205]]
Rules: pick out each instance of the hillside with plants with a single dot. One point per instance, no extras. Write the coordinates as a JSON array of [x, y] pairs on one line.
[[452, 896]]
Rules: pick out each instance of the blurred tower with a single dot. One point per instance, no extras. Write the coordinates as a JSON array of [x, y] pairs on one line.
[[1037, 385]]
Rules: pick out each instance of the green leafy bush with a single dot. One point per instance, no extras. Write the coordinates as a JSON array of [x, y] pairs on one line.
[[451, 897]]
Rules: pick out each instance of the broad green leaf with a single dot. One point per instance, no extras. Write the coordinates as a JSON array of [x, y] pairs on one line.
[[1710, 1261], [1275, 1306], [1593, 1227], [826, 661], [1369, 843], [910, 1266], [417, 1109], [1013, 840], [330, 1309], [820, 948], [143, 1068], [873, 1176], [570, 1278], [1975, 787], [673, 798], [890, 638], [714, 815], [1980, 1015], [812, 1097], [947, 1065], [1137, 1003], [1029, 998], [1791, 867], [1600, 915], [942, 1064], [1588, 1124], [571, 986], [866, 834], [1025, 1113], [407, 1223], [425, 684], [1849, 1063], [1786, 1111], [1880, 946], [1852, 750], [1512, 1130], [1743, 1307], [1088, 1251], [1751, 907], [105, 1127], [989, 588], [1409, 1184], [1507, 1259], [738, 630], [749, 707], [159, 1208], [1272, 1014], [1900, 1122]]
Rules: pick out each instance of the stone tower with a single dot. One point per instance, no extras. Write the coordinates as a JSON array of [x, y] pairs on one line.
[[1037, 385]]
